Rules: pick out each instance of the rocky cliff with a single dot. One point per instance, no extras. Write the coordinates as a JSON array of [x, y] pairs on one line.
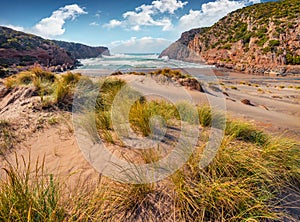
[[19, 49], [262, 38], [80, 51]]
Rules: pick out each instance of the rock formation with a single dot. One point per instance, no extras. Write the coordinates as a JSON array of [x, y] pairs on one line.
[[262, 38], [19, 49]]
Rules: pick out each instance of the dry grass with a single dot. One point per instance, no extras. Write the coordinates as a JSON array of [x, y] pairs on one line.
[[242, 183]]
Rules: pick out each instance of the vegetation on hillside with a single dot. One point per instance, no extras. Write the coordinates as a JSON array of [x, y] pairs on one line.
[[256, 38], [255, 22]]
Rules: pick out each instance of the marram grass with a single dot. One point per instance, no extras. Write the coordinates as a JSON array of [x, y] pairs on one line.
[[242, 183]]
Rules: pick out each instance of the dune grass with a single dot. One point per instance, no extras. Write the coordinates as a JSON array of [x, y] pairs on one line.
[[53, 89], [244, 131], [242, 183], [29, 197]]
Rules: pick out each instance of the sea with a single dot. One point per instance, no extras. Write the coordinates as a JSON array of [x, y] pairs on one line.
[[128, 62]]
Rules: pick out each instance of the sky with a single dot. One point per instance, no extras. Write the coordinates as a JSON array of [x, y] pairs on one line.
[[138, 26]]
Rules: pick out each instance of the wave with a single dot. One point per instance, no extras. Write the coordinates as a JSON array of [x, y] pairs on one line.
[[132, 56], [135, 61]]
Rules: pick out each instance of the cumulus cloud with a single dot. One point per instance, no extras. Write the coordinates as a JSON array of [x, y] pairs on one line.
[[53, 25], [139, 45], [168, 5], [113, 23], [210, 13], [144, 15]]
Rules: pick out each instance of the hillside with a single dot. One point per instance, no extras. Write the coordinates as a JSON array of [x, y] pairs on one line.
[[25, 49], [262, 38], [80, 51], [19, 49]]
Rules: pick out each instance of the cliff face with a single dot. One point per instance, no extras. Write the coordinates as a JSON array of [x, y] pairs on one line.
[[22, 49], [179, 50], [262, 38], [80, 51]]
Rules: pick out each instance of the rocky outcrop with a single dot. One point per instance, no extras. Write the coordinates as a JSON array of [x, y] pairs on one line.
[[80, 51], [179, 50], [263, 38]]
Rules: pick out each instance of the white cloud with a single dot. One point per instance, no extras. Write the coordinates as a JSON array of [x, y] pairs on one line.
[[14, 27], [93, 24], [168, 5], [141, 45], [144, 15], [53, 25], [254, 1], [210, 13], [113, 23]]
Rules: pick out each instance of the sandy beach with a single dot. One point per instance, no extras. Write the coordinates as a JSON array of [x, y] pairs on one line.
[[275, 101]]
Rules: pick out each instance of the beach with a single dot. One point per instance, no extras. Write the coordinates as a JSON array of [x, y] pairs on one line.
[[275, 101]]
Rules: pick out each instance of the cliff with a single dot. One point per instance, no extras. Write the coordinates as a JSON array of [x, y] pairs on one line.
[[179, 50], [80, 51], [262, 38], [19, 49]]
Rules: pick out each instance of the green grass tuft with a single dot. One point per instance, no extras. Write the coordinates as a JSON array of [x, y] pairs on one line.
[[27, 197], [245, 132]]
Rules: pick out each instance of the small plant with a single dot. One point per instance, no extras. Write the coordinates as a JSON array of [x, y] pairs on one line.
[[233, 87], [52, 120], [259, 90], [281, 87]]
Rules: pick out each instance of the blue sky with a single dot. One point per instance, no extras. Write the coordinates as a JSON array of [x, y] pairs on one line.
[[124, 26]]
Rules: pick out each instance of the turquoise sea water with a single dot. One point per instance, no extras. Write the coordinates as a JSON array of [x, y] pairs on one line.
[[125, 62]]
